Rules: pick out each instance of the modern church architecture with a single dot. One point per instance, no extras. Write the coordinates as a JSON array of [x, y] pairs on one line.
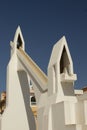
[[59, 106]]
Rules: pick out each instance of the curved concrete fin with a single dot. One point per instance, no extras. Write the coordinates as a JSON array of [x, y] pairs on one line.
[[18, 39], [36, 74]]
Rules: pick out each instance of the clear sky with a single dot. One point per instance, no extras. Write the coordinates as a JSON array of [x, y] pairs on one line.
[[43, 23]]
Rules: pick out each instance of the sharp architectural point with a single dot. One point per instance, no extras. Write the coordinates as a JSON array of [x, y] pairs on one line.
[[58, 106], [18, 38]]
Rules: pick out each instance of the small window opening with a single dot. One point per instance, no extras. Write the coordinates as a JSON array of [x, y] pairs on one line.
[[33, 100], [30, 83], [19, 42]]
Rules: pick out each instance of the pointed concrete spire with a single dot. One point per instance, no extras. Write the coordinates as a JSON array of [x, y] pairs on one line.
[[18, 38], [60, 68], [58, 50]]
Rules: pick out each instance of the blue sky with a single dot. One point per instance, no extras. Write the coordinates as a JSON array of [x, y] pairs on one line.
[[43, 23]]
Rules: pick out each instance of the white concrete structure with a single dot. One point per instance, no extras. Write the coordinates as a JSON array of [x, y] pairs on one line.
[[58, 106], [60, 109]]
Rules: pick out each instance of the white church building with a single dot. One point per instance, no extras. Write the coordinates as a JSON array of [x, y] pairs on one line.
[[60, 107]]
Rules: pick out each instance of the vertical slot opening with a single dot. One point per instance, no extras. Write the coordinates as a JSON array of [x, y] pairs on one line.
[[19, 42], [64, 62], [54, 80]]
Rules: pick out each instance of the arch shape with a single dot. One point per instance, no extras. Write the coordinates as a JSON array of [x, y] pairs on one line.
[[19, 42], [64, 62], [18, 39]]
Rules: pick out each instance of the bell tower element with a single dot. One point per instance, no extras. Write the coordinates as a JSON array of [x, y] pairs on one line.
[[60, 70], [17, 42]]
